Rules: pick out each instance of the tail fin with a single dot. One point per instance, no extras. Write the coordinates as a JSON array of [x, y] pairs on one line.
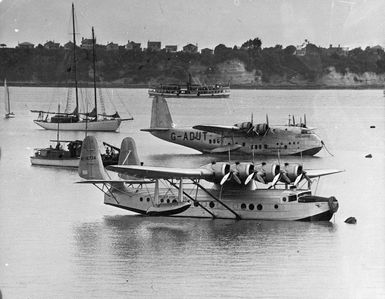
[[128, 155], [160, 114], [91, 165]]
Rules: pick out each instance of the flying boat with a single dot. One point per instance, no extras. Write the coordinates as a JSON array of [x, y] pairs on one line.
[[224, 190], [244, 137]]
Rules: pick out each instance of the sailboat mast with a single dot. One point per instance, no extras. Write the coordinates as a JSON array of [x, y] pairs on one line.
[[58, 126], [94, 66], [6, 91], [74, 66]]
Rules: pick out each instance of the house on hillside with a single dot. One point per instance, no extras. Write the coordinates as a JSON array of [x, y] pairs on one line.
[[171, 48], [207, 51], [68, 46], [51, 45], [375, 50], [25, 45], [340, 51], [86, 43], [133, 46], [190, 48], [153, 46], [112, 46]]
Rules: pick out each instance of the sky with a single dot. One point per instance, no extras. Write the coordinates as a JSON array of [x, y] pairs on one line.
[[207, 23]]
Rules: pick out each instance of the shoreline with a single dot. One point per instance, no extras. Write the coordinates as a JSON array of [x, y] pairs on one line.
[[235, 86]]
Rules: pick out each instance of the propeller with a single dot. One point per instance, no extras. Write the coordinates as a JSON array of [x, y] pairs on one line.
[[251, 129], [275, 180], [299, 178], [230, 175], [257, 174]]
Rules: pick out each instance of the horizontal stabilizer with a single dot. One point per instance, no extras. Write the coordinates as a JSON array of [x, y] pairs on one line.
[[225, 149]]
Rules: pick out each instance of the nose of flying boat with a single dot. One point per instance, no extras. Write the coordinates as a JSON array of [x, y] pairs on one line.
[[326, 215], [316, 145]]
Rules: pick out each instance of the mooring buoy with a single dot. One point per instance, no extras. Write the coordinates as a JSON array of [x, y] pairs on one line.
[[351, 220]]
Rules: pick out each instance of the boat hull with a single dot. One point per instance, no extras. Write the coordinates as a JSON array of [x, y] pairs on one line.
[[110, 125], [190, 95], [10, 115], [70, 162], [258, 204]]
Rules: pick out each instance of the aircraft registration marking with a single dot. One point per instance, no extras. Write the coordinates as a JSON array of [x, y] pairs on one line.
[[189, 136], [88, 158]]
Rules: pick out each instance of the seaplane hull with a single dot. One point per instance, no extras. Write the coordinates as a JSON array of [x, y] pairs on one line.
[[109, 125], [251, 205]]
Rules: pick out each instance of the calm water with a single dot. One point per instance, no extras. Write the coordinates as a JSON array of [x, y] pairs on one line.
[[58, 240]]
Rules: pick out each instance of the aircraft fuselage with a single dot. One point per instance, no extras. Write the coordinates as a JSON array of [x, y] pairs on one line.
[[287, 140]]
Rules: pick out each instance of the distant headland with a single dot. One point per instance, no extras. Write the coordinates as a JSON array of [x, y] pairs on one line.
[[248, 66]]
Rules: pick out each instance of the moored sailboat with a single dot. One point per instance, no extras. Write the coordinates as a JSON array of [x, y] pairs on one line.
[[7, 103], [69, 156], [76, 121]]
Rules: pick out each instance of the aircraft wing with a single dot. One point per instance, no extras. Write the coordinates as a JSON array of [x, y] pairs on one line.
[[115, 181], [153, 172], [217, 129], [313, 173]]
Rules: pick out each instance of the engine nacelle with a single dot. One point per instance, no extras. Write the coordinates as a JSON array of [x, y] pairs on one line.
[[292, 170], [261, 129], [266, 171], [219, 169], [242, 169]]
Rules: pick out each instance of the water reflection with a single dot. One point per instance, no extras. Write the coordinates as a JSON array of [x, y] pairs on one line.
[[131, 235]]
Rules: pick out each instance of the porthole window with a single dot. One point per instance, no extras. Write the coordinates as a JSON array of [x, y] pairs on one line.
[[148, 199], [174, 201], [141, 199], [259, 207], [168, 201], [212, 204], [251, 207], [276, 206], [161, 200], [243, 206], [209, 141], [243, 144], [284, 199]]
